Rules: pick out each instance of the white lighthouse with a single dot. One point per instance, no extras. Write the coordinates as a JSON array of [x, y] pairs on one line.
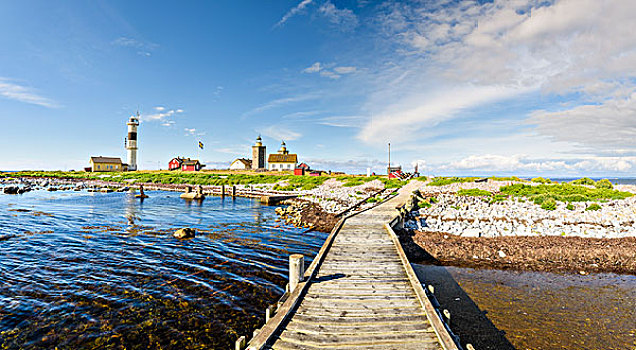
[[131, 143]]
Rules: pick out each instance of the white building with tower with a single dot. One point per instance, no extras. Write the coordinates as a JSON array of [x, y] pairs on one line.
[[282, 161], [131, 142]]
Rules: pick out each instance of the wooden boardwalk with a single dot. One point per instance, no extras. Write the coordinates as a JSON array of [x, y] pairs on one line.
[[360, 293]]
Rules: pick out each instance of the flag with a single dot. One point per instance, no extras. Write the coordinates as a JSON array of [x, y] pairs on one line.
[[200, 145]]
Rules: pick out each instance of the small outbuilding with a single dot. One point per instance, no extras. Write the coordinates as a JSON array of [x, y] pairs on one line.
[[175, 163], [107, 164], [241, 164]]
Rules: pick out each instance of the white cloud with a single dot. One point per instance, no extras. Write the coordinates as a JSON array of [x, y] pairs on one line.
[[343, 19], [294, 11], [344, 70], [162, 115], [348, 121], [17, 92], [334, 73], [279, 103], [143, 48], [461, 56], [193, 132], [421, 165], [329, 74], [407, 117], [609, 125], [521, 164], [278, 132], [314, 68]]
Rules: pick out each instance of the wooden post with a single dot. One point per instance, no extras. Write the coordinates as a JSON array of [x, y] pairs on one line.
[[431, 289], [233, 191], [240, 343], [222, 190], [470, 347], [269, 312], [447, 316], [296, 270]]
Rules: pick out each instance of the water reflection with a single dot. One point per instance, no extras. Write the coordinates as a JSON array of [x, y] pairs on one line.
[[101, 270]]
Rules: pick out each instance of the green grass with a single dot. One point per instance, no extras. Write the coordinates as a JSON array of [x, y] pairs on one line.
[[593, 206], [563, 193], [214, 179], [442, 181], [570, 206], [475, 192]]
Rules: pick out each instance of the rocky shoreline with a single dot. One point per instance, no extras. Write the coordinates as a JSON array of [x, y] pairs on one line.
[[513, 233], [541, 253]]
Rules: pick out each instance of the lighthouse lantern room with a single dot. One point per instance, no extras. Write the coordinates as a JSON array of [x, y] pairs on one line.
[[131, 143]]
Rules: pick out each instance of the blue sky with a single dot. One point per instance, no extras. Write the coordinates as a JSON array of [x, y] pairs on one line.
[[523, 87]]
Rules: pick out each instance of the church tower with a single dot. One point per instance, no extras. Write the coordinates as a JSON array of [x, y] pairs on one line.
[[131, 143], [258, 154], [283, 148]]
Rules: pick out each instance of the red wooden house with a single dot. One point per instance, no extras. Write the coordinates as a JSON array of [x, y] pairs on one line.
[[185, 164]]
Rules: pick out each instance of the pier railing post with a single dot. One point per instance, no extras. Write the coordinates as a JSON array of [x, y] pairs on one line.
[[240, 343], [222, 190], [296, 270], [233, 191]]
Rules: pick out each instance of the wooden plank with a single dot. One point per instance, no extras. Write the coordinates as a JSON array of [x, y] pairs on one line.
[[360, 294]]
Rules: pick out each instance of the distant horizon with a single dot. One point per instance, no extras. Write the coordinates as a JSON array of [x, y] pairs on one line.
[[456, 87]]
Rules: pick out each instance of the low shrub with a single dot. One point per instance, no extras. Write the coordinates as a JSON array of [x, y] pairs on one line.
[[570, 206], [593, 206], [541, 180], [549, 204], [583, 181], [605, 183], [424, 204]]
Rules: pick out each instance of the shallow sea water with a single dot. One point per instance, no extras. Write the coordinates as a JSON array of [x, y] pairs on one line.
[[82, 270], [499, 309]]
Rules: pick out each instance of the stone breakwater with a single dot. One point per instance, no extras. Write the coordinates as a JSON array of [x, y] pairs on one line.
[[468, 216], [332, 197]]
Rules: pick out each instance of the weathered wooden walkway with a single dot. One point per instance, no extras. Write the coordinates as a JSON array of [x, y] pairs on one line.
[[359, 293]]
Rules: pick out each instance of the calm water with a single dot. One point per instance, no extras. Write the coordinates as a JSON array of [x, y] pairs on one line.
[[95, 270], [505, 310]]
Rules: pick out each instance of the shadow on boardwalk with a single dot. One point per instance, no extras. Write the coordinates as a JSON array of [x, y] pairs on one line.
[[467, 320]]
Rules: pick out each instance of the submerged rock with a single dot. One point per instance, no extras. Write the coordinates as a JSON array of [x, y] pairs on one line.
[[186, 232], [11, 190]]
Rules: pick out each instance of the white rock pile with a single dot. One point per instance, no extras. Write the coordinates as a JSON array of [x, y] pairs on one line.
[[476, 217]]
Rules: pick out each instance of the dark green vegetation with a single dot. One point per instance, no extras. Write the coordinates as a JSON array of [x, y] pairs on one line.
[[563, 192], [208, 178], [593, 206]]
